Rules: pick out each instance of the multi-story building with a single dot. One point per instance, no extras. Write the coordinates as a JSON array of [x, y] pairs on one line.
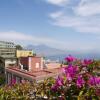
[[7, 54], [32, 69], [7, 49]]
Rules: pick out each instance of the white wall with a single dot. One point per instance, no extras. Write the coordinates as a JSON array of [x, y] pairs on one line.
[[9, 61]]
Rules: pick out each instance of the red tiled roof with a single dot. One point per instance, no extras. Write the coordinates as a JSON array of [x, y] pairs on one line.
[[37, 75], [34, 74], [20, 71]]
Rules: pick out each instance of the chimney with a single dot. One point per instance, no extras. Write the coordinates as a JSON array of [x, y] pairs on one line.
[[42, 63], [21, 65], [30, 63]]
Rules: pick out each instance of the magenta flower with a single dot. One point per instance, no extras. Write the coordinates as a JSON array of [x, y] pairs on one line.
[[94, 80], [13, 81], [98, 80], [54, 88], [59, 81], [70, 58], [64, 70], [69, 77], [72, 69], [77, 74], [70, 72], [80, 82], [23, 81], [87, 62]]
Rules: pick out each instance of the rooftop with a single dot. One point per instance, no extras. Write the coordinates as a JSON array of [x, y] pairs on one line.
[[36, 75]]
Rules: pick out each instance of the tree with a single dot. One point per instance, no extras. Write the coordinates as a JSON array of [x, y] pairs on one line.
[[19, 47]]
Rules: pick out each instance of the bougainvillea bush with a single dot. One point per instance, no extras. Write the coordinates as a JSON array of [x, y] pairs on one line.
[[27, 91], [78, 81]]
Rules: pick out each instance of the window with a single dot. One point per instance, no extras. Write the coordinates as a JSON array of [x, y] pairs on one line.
[[37, 65]]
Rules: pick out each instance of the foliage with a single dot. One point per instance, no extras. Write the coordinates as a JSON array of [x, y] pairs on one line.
[[19, 47], [27, 90], [2, 80], [77, 82]]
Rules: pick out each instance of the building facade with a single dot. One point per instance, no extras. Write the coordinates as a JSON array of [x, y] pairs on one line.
[[32, 63], [7, 55], [5, 62], [24, 53], [7, 49], [31, 69]]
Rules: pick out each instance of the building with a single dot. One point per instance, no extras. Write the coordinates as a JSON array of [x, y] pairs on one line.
[[31, 69], [53, 65], [5, 62], [7, 49], [32, 63], [7, 54], [24, 53]]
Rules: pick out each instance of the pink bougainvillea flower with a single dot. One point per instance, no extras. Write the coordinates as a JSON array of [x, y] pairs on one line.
[[70, 58], [54, 88], [69, 77], [93, 80], [13, 81], [23, 81], [77, 74], [98, 80], [72, 69], [64, 70], [87, 61], [70, 72], [59, 81], [80, 81]]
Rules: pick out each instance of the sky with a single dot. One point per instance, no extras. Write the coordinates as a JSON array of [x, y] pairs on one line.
[[64, 24]]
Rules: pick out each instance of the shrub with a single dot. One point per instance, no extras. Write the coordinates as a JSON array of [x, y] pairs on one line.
[[77, 82]]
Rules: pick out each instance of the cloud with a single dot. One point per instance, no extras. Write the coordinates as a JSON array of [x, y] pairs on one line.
[[28, 39], [56, 14], [24, 39], [58, 2], [88, 8], [12, 35], [83, 17]]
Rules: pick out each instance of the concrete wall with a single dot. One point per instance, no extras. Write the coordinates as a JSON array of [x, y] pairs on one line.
[[9, 62], [33, 63], [23, 53]]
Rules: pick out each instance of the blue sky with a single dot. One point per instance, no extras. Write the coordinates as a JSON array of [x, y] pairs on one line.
[[66, 24]]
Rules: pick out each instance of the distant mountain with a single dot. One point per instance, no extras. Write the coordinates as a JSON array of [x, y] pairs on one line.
[[45, 50], [54, 54]]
